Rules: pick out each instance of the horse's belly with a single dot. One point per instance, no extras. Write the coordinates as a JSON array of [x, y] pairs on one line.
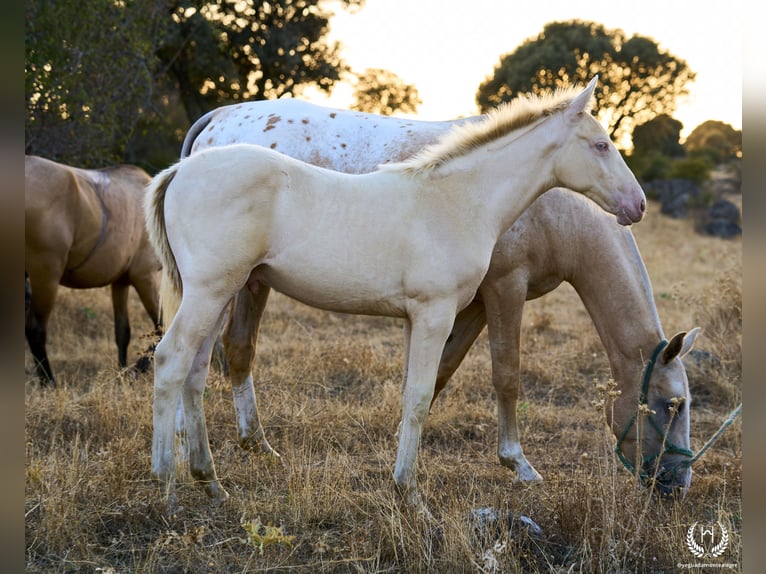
[[343, 294], [87, 279]]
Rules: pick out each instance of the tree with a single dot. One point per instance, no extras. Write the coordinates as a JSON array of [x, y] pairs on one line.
[[637, 80], [224, 52], [661, 134], [102, 77], [88, 75], [383, 92], [716, 139]]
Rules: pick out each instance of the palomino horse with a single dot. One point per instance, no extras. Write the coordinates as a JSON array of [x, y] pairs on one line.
[[84, 229], [413, 240], [561, 237]]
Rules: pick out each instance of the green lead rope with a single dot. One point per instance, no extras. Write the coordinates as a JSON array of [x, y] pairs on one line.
[[726, 424]]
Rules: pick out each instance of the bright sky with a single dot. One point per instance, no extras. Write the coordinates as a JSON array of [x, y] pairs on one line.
[[447, 48]]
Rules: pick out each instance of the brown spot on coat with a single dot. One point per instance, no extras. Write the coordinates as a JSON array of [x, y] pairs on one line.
[[273, 121]]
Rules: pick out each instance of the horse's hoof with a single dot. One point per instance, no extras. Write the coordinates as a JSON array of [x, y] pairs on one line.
[[525, 472], [256, 444], [528, 477], [268, 451], [171, 507], [221, 499], [217, 494], [143, 364]]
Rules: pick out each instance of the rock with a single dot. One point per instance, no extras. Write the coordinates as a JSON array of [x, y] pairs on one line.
[[722, 219], [725, 229], [489, 524], [676, 196]]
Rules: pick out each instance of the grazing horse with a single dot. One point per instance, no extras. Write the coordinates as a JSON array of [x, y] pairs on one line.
[[561, 237], [585, 247], [413, 240], [83, 229]]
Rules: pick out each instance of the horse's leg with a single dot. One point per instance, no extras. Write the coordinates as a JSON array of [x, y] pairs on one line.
[[146, 285], [469, 324], [504, 303], [148, 292], [200, 458], [239, 339], [120, 290], [179, 351], [42, 296], [426, 334]]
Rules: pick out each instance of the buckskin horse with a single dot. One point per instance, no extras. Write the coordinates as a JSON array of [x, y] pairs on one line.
[[84, 229]]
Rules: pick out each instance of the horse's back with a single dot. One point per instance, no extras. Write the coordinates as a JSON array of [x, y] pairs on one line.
[[132, 177], [342, 140]]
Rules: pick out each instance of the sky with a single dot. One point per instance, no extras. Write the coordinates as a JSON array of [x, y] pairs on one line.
[[447, 48]]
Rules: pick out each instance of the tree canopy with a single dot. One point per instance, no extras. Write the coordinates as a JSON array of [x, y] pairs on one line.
[[717, 139], [661, 134], [637, 80], [251, 49], [383, 92], [106, 77], [88, 75]]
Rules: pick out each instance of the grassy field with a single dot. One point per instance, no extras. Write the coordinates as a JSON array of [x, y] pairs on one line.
[[329, 392]]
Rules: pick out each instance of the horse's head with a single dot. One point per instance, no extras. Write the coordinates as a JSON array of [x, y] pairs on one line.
[[589, 163], [660, 425]]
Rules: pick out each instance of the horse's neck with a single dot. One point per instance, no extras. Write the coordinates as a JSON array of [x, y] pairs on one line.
[[506, 180], [612, 282]]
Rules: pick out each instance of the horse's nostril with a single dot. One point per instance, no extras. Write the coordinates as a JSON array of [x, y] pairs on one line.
[[642, 207]]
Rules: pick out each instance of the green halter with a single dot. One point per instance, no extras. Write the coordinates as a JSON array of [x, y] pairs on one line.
[[670, 448]]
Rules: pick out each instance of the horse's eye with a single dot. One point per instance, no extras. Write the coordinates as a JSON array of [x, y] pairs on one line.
[[675, 405], [602, 146]]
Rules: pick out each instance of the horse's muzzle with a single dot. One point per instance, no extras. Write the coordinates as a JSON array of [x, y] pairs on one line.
[[630, 213], [672, 480]]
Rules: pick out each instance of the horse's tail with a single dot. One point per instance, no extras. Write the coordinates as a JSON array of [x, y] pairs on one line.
[[171, 287], [194, 131]]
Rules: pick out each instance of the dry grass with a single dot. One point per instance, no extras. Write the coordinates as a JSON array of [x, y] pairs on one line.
[[329, 391]]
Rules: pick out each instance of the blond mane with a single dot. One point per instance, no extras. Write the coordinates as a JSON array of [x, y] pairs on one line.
[[506, 118]]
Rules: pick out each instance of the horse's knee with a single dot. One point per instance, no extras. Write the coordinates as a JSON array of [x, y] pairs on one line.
[[162, 356], [506, 382]]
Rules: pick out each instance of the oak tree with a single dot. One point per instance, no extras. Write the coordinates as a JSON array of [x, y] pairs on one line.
[[383, 92], [637, 79]]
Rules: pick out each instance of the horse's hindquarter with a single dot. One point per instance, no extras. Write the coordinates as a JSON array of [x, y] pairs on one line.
[[62, 219], [114, 208]]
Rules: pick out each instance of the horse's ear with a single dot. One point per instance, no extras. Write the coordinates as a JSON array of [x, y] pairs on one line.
[[680, 344], [583, 102]]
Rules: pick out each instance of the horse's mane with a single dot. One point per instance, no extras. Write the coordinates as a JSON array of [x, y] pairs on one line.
[[506, 118]]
